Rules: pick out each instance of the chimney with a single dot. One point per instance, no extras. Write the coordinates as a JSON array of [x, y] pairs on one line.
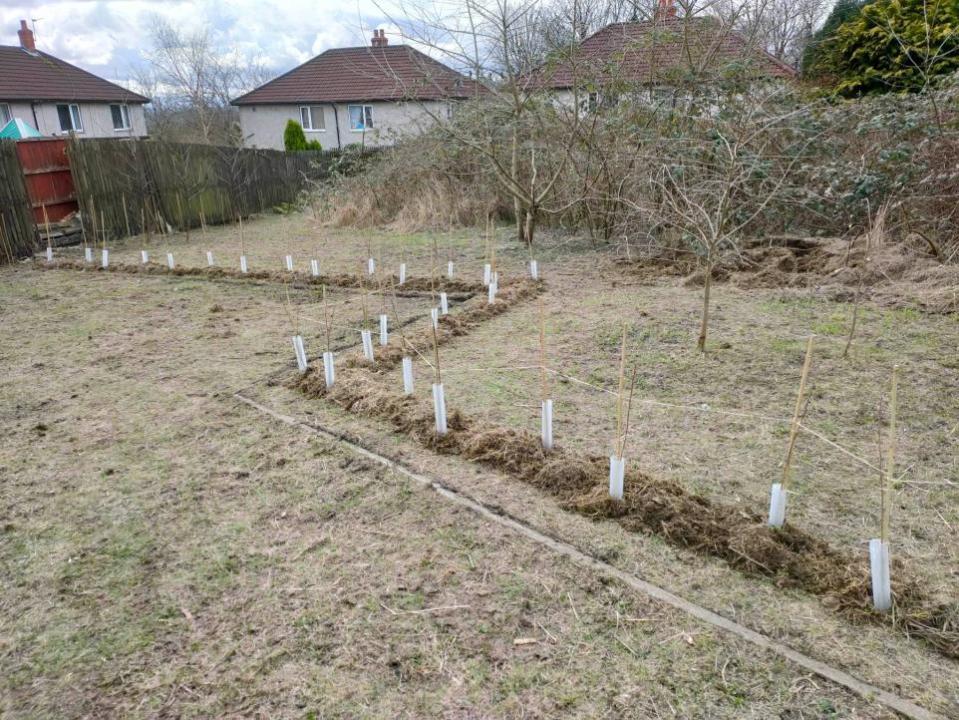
[[665, 10], [26, 37], [379, 39]]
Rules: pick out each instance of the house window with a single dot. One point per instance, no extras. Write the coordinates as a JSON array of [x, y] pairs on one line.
[[361, 117], [121, 117], [589, 103], [312, 118], [70, 118], [5, 114]]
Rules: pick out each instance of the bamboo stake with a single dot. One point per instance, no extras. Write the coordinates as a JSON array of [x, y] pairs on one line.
[[544, 382], [433, 273], [126, 216], [366, 311], [618, 444], [103, 232], [46, 224], [291, 314], [7, 242], [487, 246], [179, 206], [83, 232], [794, 426], [93, 223], [629, 409], [327, 318], [145, 225], [436, 355], [890, 458]]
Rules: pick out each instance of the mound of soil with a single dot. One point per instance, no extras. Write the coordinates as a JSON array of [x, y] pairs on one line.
[[889, 273], [343, 280], [471, 313], [790, 556]]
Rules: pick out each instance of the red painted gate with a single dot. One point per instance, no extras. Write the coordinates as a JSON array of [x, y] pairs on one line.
[[46, 171]]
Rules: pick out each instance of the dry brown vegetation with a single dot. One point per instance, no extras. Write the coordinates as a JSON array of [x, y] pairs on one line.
[[222, 564]]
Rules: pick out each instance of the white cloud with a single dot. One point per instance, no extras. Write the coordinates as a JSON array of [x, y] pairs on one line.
[[107, 36]]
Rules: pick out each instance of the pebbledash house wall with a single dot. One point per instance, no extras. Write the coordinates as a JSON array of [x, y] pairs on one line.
[[96, 118], [263, 125]]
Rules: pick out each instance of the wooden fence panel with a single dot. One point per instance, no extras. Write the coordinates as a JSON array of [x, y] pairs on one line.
[[139, 185], [18, 236]]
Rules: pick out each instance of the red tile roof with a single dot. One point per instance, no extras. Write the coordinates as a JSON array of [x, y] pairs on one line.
[[38, 76], [396, 72], [656, 52]]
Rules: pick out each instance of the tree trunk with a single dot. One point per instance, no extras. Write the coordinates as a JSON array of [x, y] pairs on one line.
[[704, 326], [529, 227], [514, 175]]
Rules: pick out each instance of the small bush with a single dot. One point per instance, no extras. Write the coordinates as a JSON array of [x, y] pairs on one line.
[[294, 139]]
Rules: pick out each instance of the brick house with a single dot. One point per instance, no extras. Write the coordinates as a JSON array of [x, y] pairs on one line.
[[358, 95], [648, 60], [57, 98]]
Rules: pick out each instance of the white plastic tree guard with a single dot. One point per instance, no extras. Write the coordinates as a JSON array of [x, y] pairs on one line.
[[88, 254], [546, 423], [407, 376], [49, 254], [169, 261], [491, 293], [617, 472], [314, 267], [370, 266], [384, 330], [243, 267], [487, 274], [144, 257], [289, 263], [435, 317], [105, 258], [879, 568], [449, 269], [329, 370], [209, 258], [444, 304], [402, 273], [777, 505], [300, 351], [367, 344], [439, 408], [534, 269]]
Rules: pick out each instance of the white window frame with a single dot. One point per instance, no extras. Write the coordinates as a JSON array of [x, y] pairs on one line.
[[75, 119], [311, 126], [367, 113], [124, 117], [6, 114]]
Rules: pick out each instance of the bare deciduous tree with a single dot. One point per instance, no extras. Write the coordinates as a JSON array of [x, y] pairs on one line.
[[192, 80]]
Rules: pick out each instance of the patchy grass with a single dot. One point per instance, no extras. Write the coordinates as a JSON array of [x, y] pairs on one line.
[[172, 553]]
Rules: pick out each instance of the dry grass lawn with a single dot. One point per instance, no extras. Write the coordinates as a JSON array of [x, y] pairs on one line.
[[170, 552]]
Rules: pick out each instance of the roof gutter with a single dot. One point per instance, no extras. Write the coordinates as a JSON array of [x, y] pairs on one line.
[[336, 122]]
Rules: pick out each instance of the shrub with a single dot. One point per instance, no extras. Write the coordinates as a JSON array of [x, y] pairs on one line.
[[294, 139], [894, 45]]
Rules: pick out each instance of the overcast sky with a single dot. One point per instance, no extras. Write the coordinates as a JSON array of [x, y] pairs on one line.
[[105, 36]]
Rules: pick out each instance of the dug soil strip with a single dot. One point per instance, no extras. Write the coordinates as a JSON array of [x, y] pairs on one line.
[[341, 280], [844, 679], [788, 555], [473, 312]]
